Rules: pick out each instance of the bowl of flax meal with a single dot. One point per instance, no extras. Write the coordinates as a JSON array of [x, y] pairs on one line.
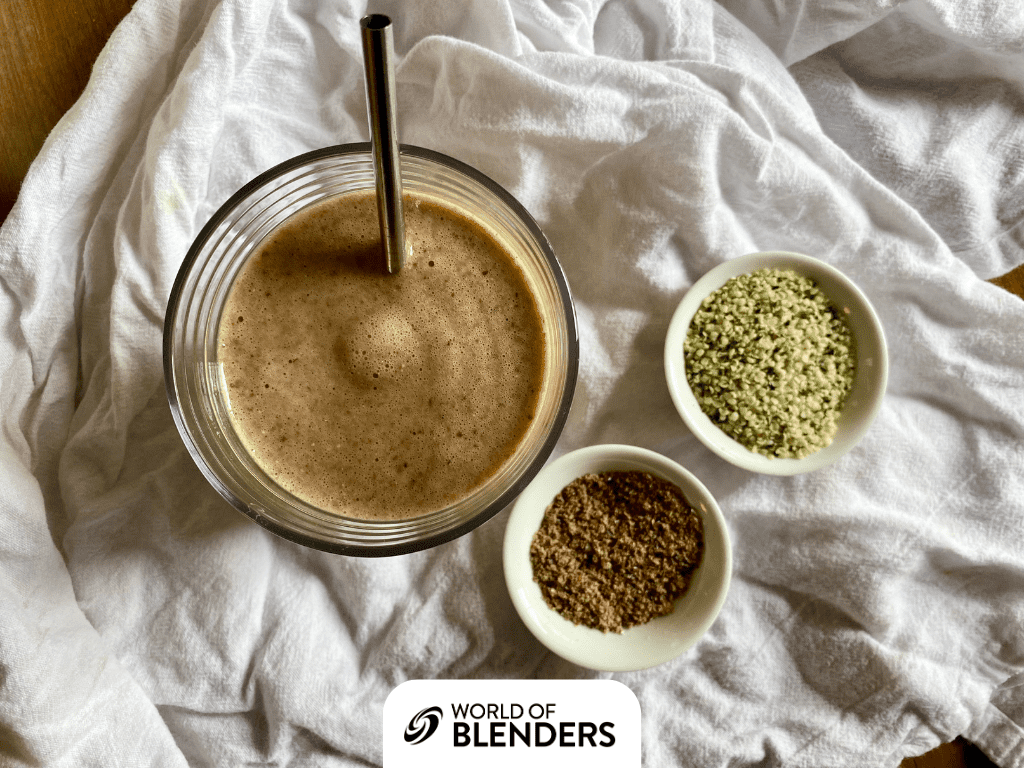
[[776, 362], [617, 558]]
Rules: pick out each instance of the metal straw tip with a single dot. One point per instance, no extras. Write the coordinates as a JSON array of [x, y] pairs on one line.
[[375, 21]]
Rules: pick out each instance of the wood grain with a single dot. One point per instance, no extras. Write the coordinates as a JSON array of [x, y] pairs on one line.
[[1012, 281], [48, 50], [959, 753], [50, 46]]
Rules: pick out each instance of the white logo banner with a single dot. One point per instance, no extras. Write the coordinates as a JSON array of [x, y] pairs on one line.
[[541, 723]]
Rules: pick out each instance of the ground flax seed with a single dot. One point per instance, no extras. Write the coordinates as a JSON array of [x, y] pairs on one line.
[[616, 549], [771, 360]]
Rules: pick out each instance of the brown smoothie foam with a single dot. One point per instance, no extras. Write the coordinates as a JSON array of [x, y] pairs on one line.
[[377, 396]]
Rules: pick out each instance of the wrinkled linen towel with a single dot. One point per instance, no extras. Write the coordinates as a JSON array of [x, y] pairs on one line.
[[877, 606]]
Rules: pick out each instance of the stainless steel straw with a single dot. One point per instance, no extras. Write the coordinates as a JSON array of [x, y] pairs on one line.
[[378, 51]]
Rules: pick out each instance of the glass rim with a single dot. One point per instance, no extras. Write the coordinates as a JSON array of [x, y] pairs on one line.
[[389, 528]]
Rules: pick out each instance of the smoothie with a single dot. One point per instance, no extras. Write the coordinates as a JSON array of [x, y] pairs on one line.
[[376, 396]]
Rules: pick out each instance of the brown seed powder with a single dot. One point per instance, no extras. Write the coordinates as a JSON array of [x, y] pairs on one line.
[[616, 549]]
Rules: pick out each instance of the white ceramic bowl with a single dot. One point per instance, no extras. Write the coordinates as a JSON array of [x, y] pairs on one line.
[[863, 402], [639, 647]]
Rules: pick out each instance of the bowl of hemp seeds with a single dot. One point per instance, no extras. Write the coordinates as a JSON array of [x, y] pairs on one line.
[[777, 362], [617, 558]]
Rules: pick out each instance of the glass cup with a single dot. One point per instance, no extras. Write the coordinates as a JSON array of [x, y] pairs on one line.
[[194, 378]]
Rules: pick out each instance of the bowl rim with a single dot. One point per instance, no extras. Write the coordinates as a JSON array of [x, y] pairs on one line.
[[258, 515], [642, 646], [876, 374]]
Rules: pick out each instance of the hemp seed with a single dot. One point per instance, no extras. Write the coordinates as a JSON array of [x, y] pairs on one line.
[[771, 361]]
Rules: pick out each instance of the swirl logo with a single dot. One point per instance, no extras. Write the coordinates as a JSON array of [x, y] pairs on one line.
[[423, 725]]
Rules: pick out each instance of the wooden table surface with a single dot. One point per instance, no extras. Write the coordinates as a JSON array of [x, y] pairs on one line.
[[49, 47]]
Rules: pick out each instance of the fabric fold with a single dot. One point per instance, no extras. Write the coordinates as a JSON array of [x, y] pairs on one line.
[[877, 606]]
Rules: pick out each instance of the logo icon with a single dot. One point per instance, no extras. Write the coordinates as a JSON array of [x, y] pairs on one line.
[[423, 725]]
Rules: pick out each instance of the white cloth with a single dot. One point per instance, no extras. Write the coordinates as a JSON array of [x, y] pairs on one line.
[[877, 606]]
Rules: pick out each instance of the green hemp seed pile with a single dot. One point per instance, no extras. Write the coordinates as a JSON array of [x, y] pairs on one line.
[[771, 360]]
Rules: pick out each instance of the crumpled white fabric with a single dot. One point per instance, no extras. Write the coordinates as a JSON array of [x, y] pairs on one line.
[[877, 606]]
